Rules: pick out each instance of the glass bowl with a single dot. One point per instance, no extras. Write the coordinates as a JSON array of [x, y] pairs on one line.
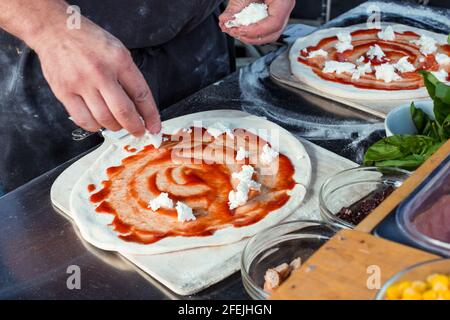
[[416, 272], [280, 244], [349, 186]]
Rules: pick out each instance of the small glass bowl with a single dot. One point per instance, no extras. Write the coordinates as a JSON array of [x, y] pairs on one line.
[[280, 244], [419, 271], [349, 186]]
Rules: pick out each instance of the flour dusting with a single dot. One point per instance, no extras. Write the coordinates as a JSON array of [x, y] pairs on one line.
[[256, 100]]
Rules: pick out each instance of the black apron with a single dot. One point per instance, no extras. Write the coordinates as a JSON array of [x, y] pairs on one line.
[[176, 44]]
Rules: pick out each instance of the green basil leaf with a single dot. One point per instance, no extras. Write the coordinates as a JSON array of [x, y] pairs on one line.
[[441, 110], [443, 93], [419, 118], [405, 151], [430, 82], [410, 162]]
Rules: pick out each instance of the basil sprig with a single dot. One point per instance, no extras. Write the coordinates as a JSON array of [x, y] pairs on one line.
[[410, 151]]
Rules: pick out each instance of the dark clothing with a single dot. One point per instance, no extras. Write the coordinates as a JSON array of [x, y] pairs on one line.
[[177, 45]]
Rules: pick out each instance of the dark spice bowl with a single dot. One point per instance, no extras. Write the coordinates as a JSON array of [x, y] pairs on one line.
[[280, 244], [349, 196]]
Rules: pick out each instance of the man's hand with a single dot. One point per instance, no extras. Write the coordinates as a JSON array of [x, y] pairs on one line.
[[88, 70], [264, 31]]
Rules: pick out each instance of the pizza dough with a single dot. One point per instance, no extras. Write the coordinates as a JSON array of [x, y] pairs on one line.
[[104, 231], [307, 75]]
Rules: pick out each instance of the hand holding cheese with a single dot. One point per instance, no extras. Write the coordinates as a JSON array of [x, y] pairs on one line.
[[264, 31]]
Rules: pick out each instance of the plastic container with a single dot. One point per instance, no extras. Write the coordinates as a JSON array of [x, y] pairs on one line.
[[417, 272], [280, 244], [349, 186], [424, 217]]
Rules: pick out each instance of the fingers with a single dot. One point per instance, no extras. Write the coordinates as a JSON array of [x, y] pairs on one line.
[[261, 40], [134, 84], [80, 113], [122, 108], [268, 29], [100, 111], [232, 8]]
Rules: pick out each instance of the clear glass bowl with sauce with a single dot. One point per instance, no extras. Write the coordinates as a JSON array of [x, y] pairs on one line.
[[416, 272], [280, 244], [349, 187]]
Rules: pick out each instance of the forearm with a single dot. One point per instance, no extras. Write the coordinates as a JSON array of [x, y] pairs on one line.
[[31, 20]]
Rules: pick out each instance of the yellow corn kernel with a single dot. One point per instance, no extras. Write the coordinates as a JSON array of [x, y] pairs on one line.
[[403, 285], [392, 293], [443, 295], [438, 282], [429, 295], [411, 294], [419, 286]]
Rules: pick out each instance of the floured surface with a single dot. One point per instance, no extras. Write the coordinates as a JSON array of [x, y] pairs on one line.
[[96, 228], [307, 75]]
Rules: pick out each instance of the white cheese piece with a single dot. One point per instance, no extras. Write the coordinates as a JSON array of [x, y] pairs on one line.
[[441, 75], [388, 34], [239, 197], [268, 154], [161, 201], [375, 52], [218, 128], [442, 59], [386, 72], [343, 46], [246, 173], [403, 65], [147, 139], [344, 42], [253, 13], [344, 36], [184, 212], [422, 59], [338, 67], [360, 59], [427, 44], [241, 154], [316, 53], [361, 70]]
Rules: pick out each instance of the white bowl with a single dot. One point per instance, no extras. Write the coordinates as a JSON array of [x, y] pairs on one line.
[[399, 120]]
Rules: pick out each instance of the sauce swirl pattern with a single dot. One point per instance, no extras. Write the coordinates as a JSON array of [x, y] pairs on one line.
[[362, 40], [197, 172]]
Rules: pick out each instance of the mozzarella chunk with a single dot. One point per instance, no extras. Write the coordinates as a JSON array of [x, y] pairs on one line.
[[387, 34], [362, 70], [403, 65], [427, 44], [339, 67], [386, 72], [184, 212], [317, 53]]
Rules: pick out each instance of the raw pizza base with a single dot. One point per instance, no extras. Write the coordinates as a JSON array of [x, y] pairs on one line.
[[95, 229], [305, 74]]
